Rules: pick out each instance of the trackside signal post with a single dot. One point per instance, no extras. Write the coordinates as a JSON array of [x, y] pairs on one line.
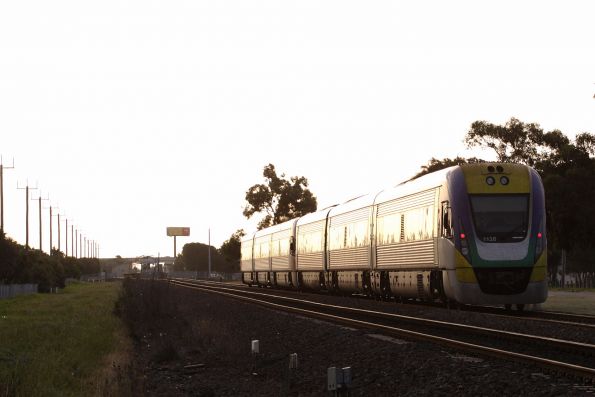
[[175, 232]]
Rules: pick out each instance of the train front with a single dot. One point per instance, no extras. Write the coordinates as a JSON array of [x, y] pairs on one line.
[[497, 215]]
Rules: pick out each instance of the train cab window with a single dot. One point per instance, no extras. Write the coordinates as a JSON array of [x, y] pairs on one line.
[[446, 220], [500, 218]]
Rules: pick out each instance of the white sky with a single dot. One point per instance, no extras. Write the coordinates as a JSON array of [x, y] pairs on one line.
[[138, 115]]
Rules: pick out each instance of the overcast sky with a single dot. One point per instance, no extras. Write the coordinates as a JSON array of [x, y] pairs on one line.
[[137, 115]]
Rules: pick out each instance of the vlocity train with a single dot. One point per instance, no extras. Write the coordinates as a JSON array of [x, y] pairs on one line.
[[472, 234]]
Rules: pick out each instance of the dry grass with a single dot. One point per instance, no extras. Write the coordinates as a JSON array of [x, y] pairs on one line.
[[569, 301], [115, 377]]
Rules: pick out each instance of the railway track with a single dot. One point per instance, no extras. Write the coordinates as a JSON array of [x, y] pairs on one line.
[[554, 354], [535, 316]]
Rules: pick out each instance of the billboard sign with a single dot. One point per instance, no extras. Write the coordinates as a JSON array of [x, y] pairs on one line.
[[178, 231]]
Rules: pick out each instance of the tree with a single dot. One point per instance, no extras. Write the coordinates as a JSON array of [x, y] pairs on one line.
[[527, 143], [195, 257], [230, 248], [513, 142], [280, 199], [9, 252]]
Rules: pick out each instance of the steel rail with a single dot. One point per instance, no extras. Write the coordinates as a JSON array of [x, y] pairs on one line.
[[585, 321], [573, 369], [563, 344]]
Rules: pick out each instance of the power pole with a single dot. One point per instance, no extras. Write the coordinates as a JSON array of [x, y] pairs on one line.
[[51, 233], [76, 243], [26, 188], [2, 168], [59, 232], [52, 228], [66, 239], [40, 228]]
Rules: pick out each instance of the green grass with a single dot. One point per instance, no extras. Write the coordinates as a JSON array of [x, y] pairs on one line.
[[57, 344]]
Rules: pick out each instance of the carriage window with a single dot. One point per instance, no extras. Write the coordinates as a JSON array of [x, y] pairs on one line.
[[310, 242], [389, 229], [419, 224], [500, 218], [412, 225]]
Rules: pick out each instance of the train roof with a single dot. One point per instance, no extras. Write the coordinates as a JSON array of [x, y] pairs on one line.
[[354, 204], [276, 228], [314, 216], [420, 184], [406, 188]]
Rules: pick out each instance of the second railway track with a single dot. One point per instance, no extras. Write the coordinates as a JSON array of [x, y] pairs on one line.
[[557, 355]]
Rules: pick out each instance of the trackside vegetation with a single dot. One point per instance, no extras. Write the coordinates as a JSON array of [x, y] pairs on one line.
[[21, 265], [65, 344]]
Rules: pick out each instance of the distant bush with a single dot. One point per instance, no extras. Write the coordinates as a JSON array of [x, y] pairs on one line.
[[20, 265]]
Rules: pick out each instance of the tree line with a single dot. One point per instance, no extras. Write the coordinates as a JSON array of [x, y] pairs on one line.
[[23, 265], [226, 259]]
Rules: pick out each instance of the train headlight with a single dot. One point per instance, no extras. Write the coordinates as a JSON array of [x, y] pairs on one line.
[[504, 180], [490, 180]]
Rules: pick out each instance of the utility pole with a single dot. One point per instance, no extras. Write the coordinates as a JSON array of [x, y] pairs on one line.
[[66, 239], [26, 188], [52, 228], [51, 233], [72, 245], [40, 228], [2, 168], [209, 253], [76, 243], [59, 232]]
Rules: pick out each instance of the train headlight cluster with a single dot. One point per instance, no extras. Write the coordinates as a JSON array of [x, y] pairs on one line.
[[490, 180]]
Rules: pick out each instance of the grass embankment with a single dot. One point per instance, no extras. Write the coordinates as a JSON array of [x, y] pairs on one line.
[[70, 343], [571, 301]]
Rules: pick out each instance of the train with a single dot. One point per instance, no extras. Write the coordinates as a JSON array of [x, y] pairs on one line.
[[469, 234]]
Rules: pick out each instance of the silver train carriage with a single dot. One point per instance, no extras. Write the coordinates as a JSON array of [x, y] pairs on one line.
[[473, 234]]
